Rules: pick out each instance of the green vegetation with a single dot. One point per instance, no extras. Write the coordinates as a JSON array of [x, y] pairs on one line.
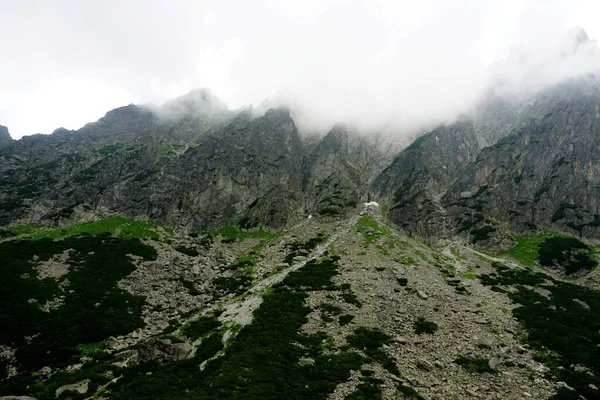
[[482, 234], [351, 298], [314, 276], [200, 327], [402, 281], [89, 348], [474, 364], [93, 307], [245, 263], [330, 308], [568, 253], [262, 362], [553, 250], [114, 226], [233, 284], [19, 230], [328, 311], [188, 251], [406, 260], [345, 319], [421, 326], [190, 287], [527, 249], [563, 329], [370, 341], [370, 229], [368, 389], [303, 248], [469, 273], [233, 233]]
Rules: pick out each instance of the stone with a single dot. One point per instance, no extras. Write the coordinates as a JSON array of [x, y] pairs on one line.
[[483, 343], [422, 294], [127, 354], [137, 333], [494, 363], [111, 343], [424, 364], [400, 340], [521, 350], [17, 398], [80, 387], [45, 372], [163, 350]]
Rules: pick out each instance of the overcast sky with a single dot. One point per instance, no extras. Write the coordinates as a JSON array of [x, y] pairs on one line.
[[67, 62]]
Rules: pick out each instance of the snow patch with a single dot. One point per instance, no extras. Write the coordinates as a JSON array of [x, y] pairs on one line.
[[372, 204]]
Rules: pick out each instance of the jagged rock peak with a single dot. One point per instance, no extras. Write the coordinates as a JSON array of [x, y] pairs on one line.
[[578, 35], [196, 102], [4, 136]]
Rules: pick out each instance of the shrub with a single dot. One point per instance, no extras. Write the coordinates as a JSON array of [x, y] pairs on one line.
[[200, 327], [568, 253], [423, 326], [474, 364], [482, 234]]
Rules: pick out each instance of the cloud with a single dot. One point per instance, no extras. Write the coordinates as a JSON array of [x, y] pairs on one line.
[[366, 62]]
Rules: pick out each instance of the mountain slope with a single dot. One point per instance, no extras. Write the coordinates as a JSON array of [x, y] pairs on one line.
[[326, 310], [541, 172]]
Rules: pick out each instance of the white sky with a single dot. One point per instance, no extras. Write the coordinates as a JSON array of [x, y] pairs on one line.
[[67, 62]]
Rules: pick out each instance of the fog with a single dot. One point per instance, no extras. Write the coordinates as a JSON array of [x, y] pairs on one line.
[[370, 63]]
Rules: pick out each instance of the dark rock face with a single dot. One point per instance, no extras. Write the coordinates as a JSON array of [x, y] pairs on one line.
[[189, 164], [156, 349], [423, 172], [5, 138], [541, 169], [546, 172]]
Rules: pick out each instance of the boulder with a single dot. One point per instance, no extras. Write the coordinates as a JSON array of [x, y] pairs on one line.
[[79, 387], [17, 398], [163, 349]]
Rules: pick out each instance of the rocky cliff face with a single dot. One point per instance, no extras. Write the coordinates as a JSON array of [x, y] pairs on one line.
[[503, 169], [190, 164], [5, 138], [545, 173]]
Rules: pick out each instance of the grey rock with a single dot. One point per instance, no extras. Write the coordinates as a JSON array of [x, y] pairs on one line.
[[483, 343], [5, 138], [17, 398], [79, 387], [424, 364], [163, 350], [111, 343], [422, 294], [494, 363], [400, 340], [127, 354]]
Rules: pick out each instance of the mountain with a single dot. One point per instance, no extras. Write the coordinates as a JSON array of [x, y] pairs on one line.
[[190, 164], [5, 138], [537, 172], [192, 251]]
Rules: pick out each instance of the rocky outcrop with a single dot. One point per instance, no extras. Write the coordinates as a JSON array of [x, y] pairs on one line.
[[81, 387], [473, 176], [423, 172], [188, 165], [545, 173], [5, 138], [157, 349]]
